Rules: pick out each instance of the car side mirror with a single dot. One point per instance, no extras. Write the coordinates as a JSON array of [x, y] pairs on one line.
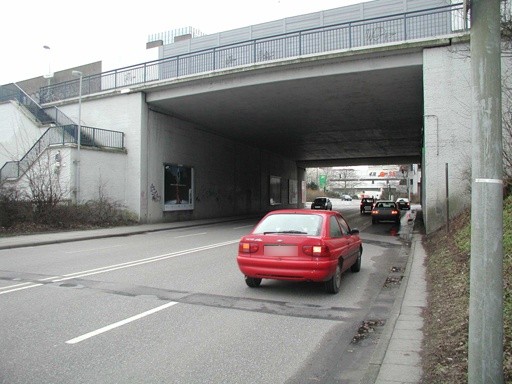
[[354, 231]]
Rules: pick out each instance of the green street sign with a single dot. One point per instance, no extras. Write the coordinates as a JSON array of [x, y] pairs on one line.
[[322, 181]]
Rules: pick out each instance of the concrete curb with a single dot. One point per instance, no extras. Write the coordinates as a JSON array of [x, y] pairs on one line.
[[69, 236], [377, 359]]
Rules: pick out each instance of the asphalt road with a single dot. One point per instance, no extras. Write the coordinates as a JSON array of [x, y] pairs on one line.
[[172, 307]]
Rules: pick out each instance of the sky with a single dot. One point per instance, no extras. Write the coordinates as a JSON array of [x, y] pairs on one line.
[[77, 33]]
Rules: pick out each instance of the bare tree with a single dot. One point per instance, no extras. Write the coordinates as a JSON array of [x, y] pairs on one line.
[[44, 187], [345, 178]]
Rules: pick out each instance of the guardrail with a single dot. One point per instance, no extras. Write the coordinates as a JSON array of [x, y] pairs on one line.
[[66, 134], [44, 115], [401, 27]]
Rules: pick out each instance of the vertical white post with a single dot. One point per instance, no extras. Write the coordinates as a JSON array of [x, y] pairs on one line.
[[79, 135]]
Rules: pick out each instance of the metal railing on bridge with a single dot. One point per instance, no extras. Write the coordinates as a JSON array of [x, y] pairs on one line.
[[433, 22], [61, 135], [49, 115]]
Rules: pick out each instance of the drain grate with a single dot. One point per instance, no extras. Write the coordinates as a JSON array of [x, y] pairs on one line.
[[367, 327], [392, 281]]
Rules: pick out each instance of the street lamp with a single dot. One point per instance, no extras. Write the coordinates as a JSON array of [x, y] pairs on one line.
[[49, 75], [78, 141]]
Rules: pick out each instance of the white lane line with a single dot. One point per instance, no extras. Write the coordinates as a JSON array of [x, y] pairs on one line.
[[21, 288], [119, 323], [93, 249], [141, 261], [13, 286], [128, 264], [192, 234]]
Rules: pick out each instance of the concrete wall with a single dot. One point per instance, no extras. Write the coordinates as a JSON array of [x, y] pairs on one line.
[[118, 172], [230, 178], [447, 132], [105, 174], [18, 131]]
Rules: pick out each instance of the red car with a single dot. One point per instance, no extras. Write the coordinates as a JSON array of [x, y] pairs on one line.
[[300, 245]]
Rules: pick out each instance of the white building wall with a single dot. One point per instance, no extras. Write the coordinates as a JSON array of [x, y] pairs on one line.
[[18, 132], [447, 132], [118, 172], [64, 168], [104, 174]]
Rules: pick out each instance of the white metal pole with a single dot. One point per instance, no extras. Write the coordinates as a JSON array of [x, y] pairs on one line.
[[79, 135]]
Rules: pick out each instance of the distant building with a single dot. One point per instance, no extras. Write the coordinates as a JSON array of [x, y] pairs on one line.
[[373, 180]]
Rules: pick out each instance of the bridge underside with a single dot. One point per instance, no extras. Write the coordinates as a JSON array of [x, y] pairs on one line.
[[341, 109]]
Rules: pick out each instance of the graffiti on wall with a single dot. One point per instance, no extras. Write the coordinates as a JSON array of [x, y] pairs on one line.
[[380, 35], [155, 196]]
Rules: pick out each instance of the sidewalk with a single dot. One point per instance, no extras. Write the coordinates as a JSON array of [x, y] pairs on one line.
[[68, 236], [397, 358]]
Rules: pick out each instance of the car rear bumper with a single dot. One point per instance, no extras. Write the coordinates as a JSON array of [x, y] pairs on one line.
[[282, 269], [386, 217]]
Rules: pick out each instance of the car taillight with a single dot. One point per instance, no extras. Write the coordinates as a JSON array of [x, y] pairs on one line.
[[316, 250], [244, 247], [394, 212], [375, 211]]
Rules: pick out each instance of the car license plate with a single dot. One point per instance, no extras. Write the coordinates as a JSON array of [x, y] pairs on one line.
[[281, 250]]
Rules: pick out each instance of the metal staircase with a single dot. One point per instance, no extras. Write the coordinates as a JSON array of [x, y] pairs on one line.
[[62, 131]]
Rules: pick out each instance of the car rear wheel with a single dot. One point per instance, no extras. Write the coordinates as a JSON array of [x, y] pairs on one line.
[[252, 282], [356, 267], [334, 283]]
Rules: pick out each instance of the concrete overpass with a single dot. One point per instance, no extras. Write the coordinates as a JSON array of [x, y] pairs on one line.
[[394, 104], [347, 108], [243, 135]]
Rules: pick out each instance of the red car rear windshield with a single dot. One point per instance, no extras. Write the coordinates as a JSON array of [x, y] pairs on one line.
[[304, 224]]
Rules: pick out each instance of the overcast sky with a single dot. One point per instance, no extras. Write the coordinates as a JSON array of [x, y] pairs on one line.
[[116, 32]]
